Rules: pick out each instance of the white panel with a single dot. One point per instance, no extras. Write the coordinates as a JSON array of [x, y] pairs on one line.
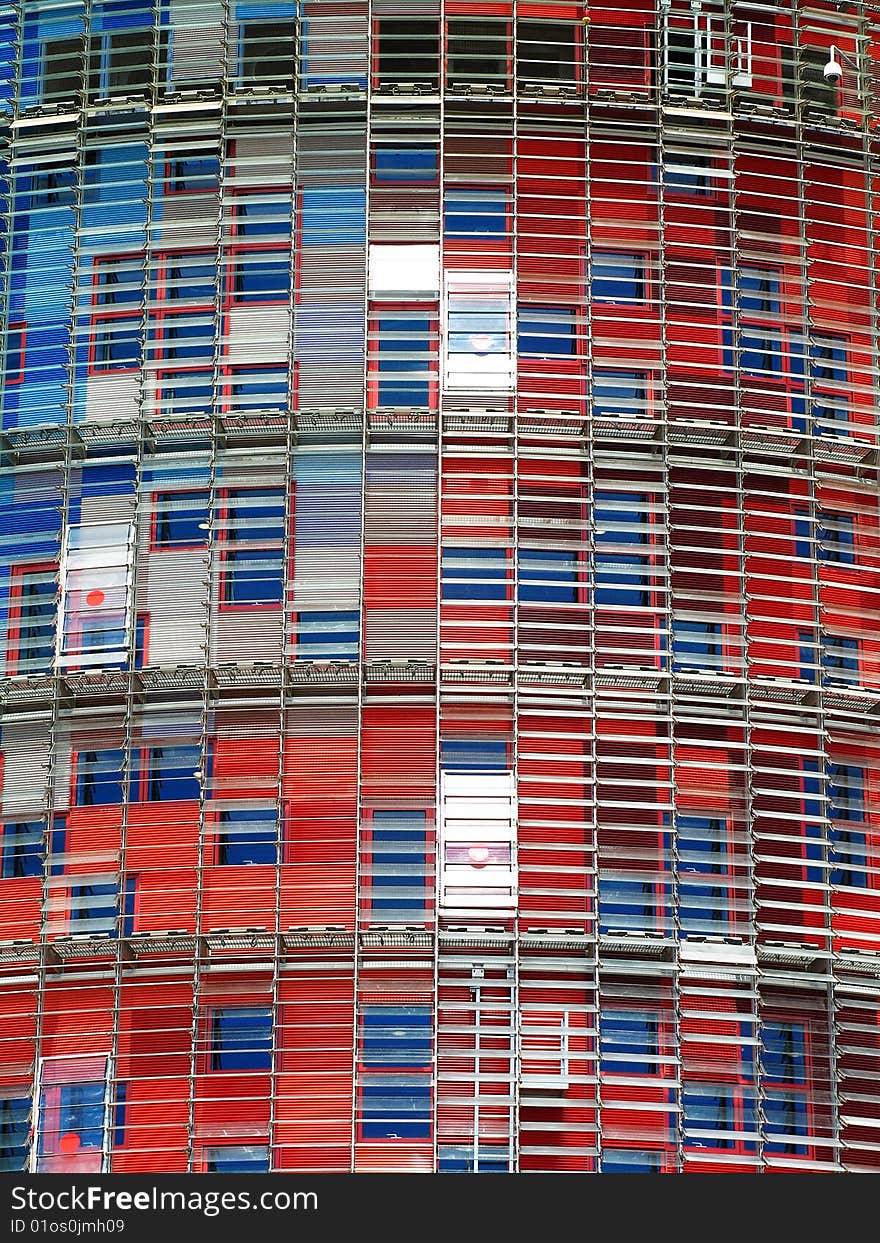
[[258, 334], [25, 769], [111, 397], [404, 271]]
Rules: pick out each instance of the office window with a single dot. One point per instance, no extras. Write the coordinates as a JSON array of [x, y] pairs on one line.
[[682, 59], [267, 53], [98, 779], [15, 1119], [16, 352], [835, 534], [33, 603], [260, 278], [687, 173], [482, 1158], [475, 574], [618, 393], [403, 166], [704, 858], [549, 575], [237, 1159], [846, 810], [248, 836], [120, 62], [631, 1161], [629, 1042], [547, 53], [403, 366], [166, 773], [180, 519], [96, 594], [463, 755], [63, 63], [829, 360], [397, 869], [395, 1082], [706, 53], [818, 94], [72, 1117], [93, 907], [478, 342], [327, 634], [475, 214], [477, 52], [190, 278], [622, 526], [618, 277], [408, 51], [252, 546], [759, 291], [192, 173], [21, 849], [784, 1067], [840, 659], [241, 1039], [696, 645], [629, 905], [547, 331], [717, 1115], [115, 325]]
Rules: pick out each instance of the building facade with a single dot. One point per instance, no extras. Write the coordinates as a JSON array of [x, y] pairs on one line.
[[439, 586]]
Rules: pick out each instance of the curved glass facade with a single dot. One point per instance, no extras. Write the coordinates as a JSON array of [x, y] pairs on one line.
[[439, 586]]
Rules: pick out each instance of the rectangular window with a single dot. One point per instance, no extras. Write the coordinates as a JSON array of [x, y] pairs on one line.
[[819, 95], [719, 1116], [406, 166], [619, 393], [33, 604], [840, 660], [835, 535], [16, 352], [237, 1159], [549, 575], [75, 1110], [408, 51], [618, 277], [475, 215], [475, 574], [115, 324], [120, 62], [629, 905], [260, 277], [846, 811], [477, 52], [630, 1042], [759, 291], [63, 64], [180, 519], [252, 546], [248, 836], [631, 1161], [622, 526], [704, 863], [99, 780], [397, 868], [696, 645], [690, 174], [546, 332], [479, 1158], [267, 53], [95, 594], [195, 173], [395, 1089], [93, 908], [479, 354], [547, 54], [166, 774], [786, 1086], [241, 1039], [327, 635], [405, 352], [471, 755], [22, 849], [829, 360], [15, 1120]]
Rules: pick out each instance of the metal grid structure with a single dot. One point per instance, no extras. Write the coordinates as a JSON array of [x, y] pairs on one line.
[[440, 586]]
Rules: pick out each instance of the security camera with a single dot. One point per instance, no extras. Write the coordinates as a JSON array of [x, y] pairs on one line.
[[833, 71]]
